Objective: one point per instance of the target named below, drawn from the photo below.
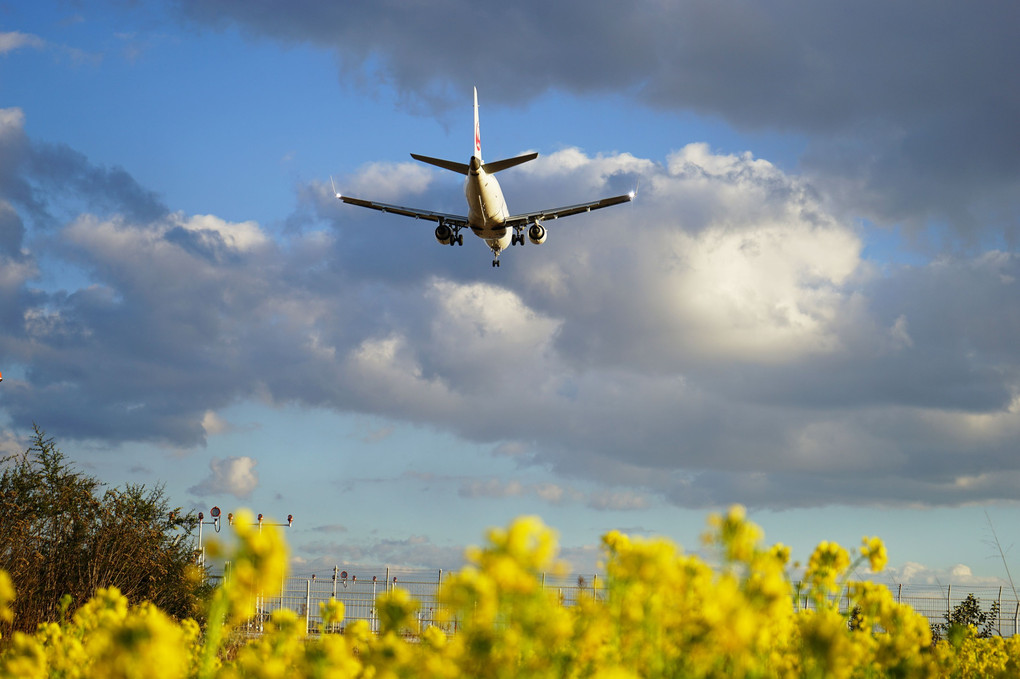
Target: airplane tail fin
(478, 137)
(464, 168)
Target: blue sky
(811, 308)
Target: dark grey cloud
(909, 109)
(37, 177)
(12, 231)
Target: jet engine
(537, 234)
(444, 234)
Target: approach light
(214, 512)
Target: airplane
(488, 216)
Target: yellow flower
(874, 549)
(827, 565)
(6, 597)
(145, 643)
(396, 610)
(257, 566)
(25, 659)
(331, 612)
(738, 537)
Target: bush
(61, 539)
(967, 614)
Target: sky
(812, 307)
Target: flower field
(663, 614)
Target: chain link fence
(358, 588)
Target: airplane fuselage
(487, 210)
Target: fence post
(308, 604)
(899, 593)
(436, 604)
(375, 618)
(1016, 618)
(998, 615)
(595, 587)
(949, 602)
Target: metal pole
(375, 624)
(949, 603)
(998, 616)
(308, 605)
(439, 586)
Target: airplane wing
(451, 220)
(557, 212)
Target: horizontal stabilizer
(453, 166)
(499, 165)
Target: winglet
(478, 137)
(335, 192)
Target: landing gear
(495, 262)
(517, 238)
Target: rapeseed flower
(6, 597)
(662, 613)
(874, 550)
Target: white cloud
(232, 475)
(921, 575)
(9, 443)
(386, 181)
(15, 40)
(720, 338)
(214, 425)
(211, 230)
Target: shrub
(966, 614)
(63, 539)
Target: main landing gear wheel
(495, 262)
